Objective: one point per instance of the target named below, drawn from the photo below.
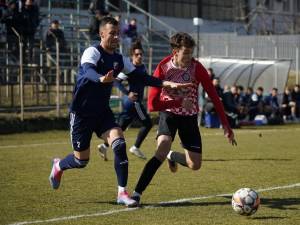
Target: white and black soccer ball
(245, 201)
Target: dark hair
(55, 22)
(136, 45)
(260, 89)
(108, 20)
(240, 87)
(182, 39)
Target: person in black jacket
(53, 33)
(30, 14)
(12, 18)
(230, 106)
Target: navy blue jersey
(91, 97)
(137, 80)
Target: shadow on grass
(268, 217)
(259, 159)
(273, 203)
(279, 203)
(185, 204)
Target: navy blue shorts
(82, 128)
(187, 127)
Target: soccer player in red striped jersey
(178, 111)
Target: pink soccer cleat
(55, 174)
(124, 199)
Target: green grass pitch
(265, 158)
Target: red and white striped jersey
(162, 99)
(178, 75)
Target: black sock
(149, 170)
(179, 158)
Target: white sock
(169, 155)
(121, 189)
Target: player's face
(109, 37)
(137, 57)
(183, 56)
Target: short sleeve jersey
(91, 97)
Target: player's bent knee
(161, 156)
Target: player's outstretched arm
(173, 85)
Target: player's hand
(133, 96)
(230, 136)
(107, 78)
(173, 85)
(187, 104)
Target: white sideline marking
(147, 207)
(220, 133)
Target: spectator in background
(53, 33)
(209, 106)
(240, 100)
(272, 108)
(295, 103)
(97, 5)
(94, 26)
(30, 23)
(12, 19)
(3, 11)
(131, 31)
(256, 105)
(123, 26)
(211, 73)
(286, 104)
(230, 105)
(130, 34)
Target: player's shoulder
(92, 50)
(197, 64)
(165, 60)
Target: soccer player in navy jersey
(133, 107)
(90, 111)
(178, 110)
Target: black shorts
(82, 128)
(187, 127)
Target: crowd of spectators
(22, 17)
(244, 107)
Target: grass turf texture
(265, 157)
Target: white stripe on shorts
(139, 110)
(72, 119)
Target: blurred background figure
(256, 105)
(97, 5)
(94, 26)
(130, 35)
(54, 32)
(286, 104)
(30, 23)
(272, 108)
(295, 103)
(12, 18)
(211, 73)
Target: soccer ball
(245, 201)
